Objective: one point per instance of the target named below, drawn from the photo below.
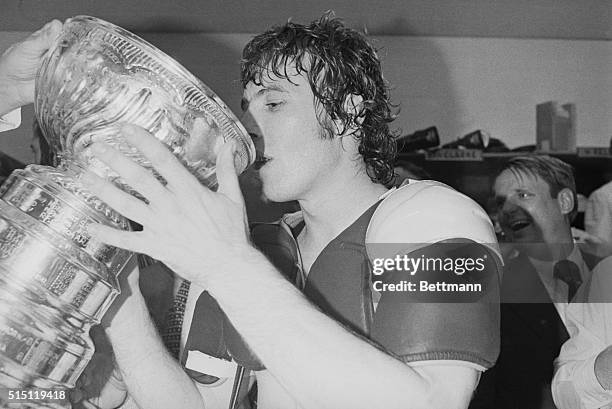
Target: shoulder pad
(424, 212)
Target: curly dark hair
(339, 63)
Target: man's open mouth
(516, 225)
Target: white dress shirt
(589, 325)
(598, 213)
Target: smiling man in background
(536, 198)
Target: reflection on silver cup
(100, 76)
(55, 280)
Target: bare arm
(153, 378)
(306, 351)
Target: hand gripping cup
(94, 79)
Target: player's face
(282, 119)
(526, 210)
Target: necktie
(174, 320)
(568, 272)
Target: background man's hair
(556, 173)
(338, 63)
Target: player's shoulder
(428, 212)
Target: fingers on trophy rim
(139, 178)
(157, 153)
(122, 202)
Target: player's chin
(277, 189)
(276, 193)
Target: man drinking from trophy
(297, 299)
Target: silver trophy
(55, 280)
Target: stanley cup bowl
(59, 280)
(99, 76)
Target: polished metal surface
(55, 280)
(100, 76)
(52, 198)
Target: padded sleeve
(428, 220)
(424, 325)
